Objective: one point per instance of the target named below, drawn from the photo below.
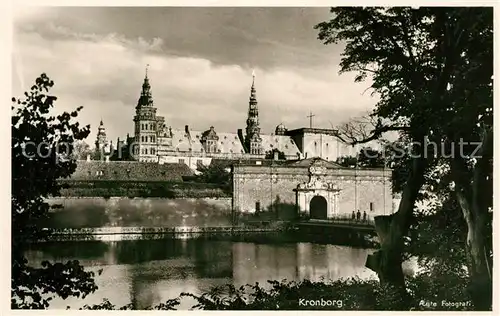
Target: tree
(366, 158)
(217, 173)
(42, 148)
(432, 68)
(82, 150)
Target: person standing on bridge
(353, 215)
(358, 215)
(364, 216)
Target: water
(148, 272)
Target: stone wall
(74, 212)
(267, 185)
(274, 185)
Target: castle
(306, 180)
(155, 141)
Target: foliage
(82, 150)
(432, 70)
(133, 188)
(366, 158)
(42, 148)
(344, 294)
(106, 305)
(216, 172)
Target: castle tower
(102, 146)
(253, 141)
(101, 140)
(145, 125)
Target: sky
(200, 65)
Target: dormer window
(209, 140)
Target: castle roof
(283, 143)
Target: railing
(347, 220)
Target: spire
(253, 96)
(146, 98)
(253, 140)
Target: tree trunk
(473, 199)
(391, 230)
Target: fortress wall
(276, 185)
(74, 212)
(276, 190)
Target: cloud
(104, 73)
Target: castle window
(145, 151)
(222, 143)
(153, 151)
(181, 160)
(146, 127)
(225, 137)
(142, 127)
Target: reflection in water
(148, 272)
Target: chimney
(276, 155)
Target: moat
(148, 272)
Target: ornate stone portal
(312, 195)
